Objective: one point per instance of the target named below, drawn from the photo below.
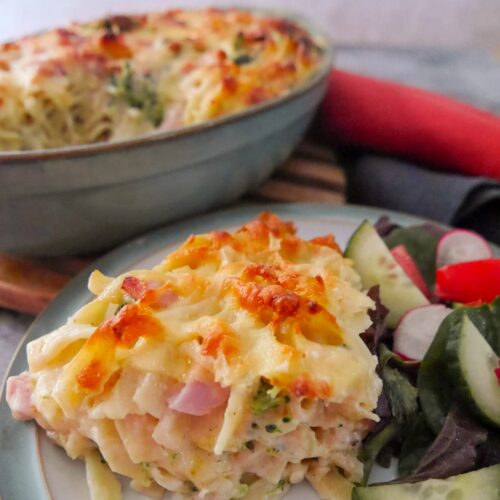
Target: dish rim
(314, 80)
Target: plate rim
(150, 243)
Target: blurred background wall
(442, 23)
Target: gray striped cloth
(315, 174)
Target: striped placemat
(311, 174)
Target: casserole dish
(83, 199)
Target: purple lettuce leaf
(385, 226)
(454, 451)
(377, 330)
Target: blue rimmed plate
(31, 468)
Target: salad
(436, 332)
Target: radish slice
(461, 245)
(403, 357)
(404, 259)
(416, 330)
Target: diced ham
(135, 287)
(199, 398)
(150, 293)
(19, 390)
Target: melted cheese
(125, 76)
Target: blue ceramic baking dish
(85, 199)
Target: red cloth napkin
(406, 122)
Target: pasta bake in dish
(125, 76)
(232, 369)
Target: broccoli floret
(268, 397)
(138, 93)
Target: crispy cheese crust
(124, 76)
(232, 369)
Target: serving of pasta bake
(233, 369)
(126, 76)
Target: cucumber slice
(482, 484)
(376, 266)
(471, 362)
